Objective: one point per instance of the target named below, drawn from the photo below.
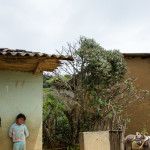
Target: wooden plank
(27, 67)
(28, 63)
(14, 69)
(38, 68)
(17, 65)
(5, 57)
(116, 141)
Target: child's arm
(11, 132)
(26, 132)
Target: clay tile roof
(15, 52)
(22, 60)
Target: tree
(98, 86)
(56, 128)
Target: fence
(116, 139)
(116, 135)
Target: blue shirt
(18, 132)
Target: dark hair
(21, 116)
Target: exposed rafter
(38, 68)
(21, 60)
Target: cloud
(44, 25)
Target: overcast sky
(47, 25)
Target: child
(19, 132)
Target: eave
(133, 55)
(30, 61)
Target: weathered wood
(116, 139)
(17, 57)
(38, 68)
(28, 63)
(25, 60)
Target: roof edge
(144, 55)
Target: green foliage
(102, 67)
(99, 71)
(73, 148)
(45, 78)
(144, 130)
(128, 120)
(93, 92)
(55, 119)
(48, 81)
(92, 75)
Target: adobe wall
(94, 140)
(21, 92)
(139, 112)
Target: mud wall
(139, 112)
(94, 140)
(21, 92)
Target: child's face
(20, 121)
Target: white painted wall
(21, 92)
